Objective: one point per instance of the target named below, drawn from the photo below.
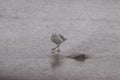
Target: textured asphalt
(92, 27)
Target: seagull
(57, 39)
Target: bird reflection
(55, 60)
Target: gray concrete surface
(91, 26)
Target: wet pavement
(91, 51)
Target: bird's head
(54, 34)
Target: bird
(57, 39)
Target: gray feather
(62, 37)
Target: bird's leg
(55, 47)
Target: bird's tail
(64, 39)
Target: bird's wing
(62, 37)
